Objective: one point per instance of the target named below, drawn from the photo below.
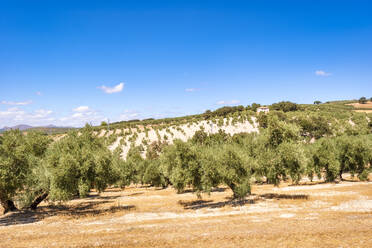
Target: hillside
(230, 120)
(128, 137)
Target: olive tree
(78, 163)
(180, 163)
(292, 159)
(355, 153)
(14, 167)
(234, 169)
(20, 160)
(324, 158)
(280, 131)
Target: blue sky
(171, 58)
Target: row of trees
(277, 153)
(34, 168)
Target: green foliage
(280, 131)
(223, 111)
(277, 163)
(324, 157)
(14, 164)
(362, 100)
(20, 165)
(78, 163)
(284, 106)
(202, 138)
(292, 159)
(254, 107)
(153, 174)
(262, 119)
(124, 171)
(355, 154)
(234, 169)
(181, 165)
(313, 125)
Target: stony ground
(319, 215)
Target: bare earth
(319, 215)
(364, 107)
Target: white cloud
(228, 102)
(11, 113)
(42, 117)
(129, 115)
(80, 116)
(77, 115)
(191, 89)
(16, 103)
(322, 73)
(38, 93)
(81, 109)
(41, 113)
(110, 90)
(13, 116)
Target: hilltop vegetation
(49, 130)
(232, 146)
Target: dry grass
(319, 215)
(363, 111)
(362, 107)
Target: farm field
(188, 124)
(362, 108)
(319, 215)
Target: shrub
(284, 106)
(362, 100)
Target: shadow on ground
(284, 196)
(219, 189)
(93, 207)
(199, 204)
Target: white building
(263, 109)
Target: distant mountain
(49, 129)
(52, 126)
(21, 127)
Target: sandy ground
(365, 107)
(358, 105)
(320, 215)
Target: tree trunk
(8, 206)
(38, 200)
(232, 186)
